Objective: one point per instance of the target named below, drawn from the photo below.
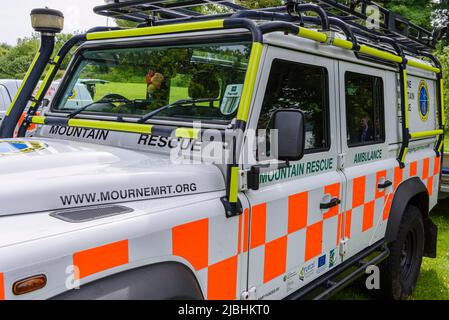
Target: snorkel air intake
(48, 23)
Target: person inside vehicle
(366, 131)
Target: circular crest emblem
(423, 103)
(14, 147)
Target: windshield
(208, 78)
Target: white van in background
(8, 89)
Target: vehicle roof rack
(411, 37)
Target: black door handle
(334, 202)
(385, 185)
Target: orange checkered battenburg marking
(314, 239)
(436, 167)
(275, 259)
(102, 258)
(2, 287)
(297, 212)
(358, 195)
(258, 225)
(191, 241)
(413, 168)
(222, 280)
(397, 177)
(334, 191)
(425, 169)
(379, 176)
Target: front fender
(161, 281)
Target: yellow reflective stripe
(422, 66)
(380, 54)
(312, 35)
(426, 134)
(38, 120)
(345, 44)
(23, 83)
(406, 98)
(46, 79)
(443, 117)
(138, 32)
(404, 155)
(188, 133)
(440, 147)
(233, 192)
(250, 81)
(111, 125)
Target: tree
(255, 4)
(15, 61)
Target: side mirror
(290, 126)
(290, 144)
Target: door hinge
(251, 294)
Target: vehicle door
(369, 165)
(295, 215)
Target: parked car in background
(79, 96)
(8, 88)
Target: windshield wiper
(153, 113)
(78, 111)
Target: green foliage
(255, 4)
(125, 23)
(15, 61)
(418, 11)
(443, 55)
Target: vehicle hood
(47, 174)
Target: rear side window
(303, 87)
(364, 109)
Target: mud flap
(431, 233)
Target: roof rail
(359, 16)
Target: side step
(342, 275)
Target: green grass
(433, 281)
(134, 91)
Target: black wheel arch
(412, 192)
(160, 281)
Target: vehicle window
(364, 109)
(136, 81)
(299, 86)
